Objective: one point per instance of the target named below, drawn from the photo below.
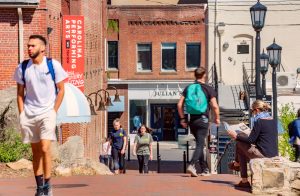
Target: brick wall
(155, 25)
(143, 25)
(92, 133)
(35, 21)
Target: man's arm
(181, 112)
(215, 108)
(60, 95)
(124, 145)
(20, 97)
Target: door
(164, 121)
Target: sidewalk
(131, 183)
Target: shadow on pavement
(63, 186)
(219, 182)
(165, 166)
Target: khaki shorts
(37, 128)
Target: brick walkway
(131, 183)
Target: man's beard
(34, 55)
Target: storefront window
(138, 111)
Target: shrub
(12, 148)
(286, 115)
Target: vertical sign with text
(73, 49)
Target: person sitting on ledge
(262, 141)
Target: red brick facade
(155, 25)
(46, 20)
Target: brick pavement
(131, 183)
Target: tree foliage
(286, 115)
(12, 148)
(112, 26)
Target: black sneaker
(205, 172)
(47, 190)
(39, 191)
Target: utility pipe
(21, 33)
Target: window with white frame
(168, 56)
(193, 55)
(144, 60)
(112, 55)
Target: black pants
(199, 128)
(118, 158)
(143, 163)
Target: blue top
(117, 138)
(294, 130)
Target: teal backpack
(195, 100)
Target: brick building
(21, 18)
(152, 51)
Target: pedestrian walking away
(294, 133)
(262, 141)
(198, 98)
(40, 91)
(143, 148)
(118, 137)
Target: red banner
(73, 49)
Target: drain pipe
(21, 33)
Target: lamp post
(274, 52)
(264, 65)
(258, 14)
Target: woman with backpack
(143, 148)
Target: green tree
(286, 115)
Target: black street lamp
(264, 66)
(258, 15)
(274, 52)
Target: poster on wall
(73, 49)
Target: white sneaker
(192, 170)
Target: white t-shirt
(40, 89)
(106, 148)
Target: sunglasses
(252, 110)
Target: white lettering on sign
(164, 93)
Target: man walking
(40, 91)
(198, 99)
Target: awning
(117, 106)
(74, 107)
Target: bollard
(158, 163)
(157, 154)
(184, 162)
(128, 158)
(187, 152)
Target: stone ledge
(275, 175)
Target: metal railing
(213, 77)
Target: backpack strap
(51, 70)
(24, 66)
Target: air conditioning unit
(286, 79)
